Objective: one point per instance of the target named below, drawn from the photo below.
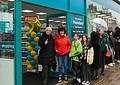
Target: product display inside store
(6, 43)
(34, 21)
(6, 30)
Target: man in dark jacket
(46, 54)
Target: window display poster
(29, 18)
(78, 25)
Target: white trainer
(83, 83)
(87, 83)
(118, 61)
(111, 64)
(106, 66)
(79, 80)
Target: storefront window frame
(17, 29)
(17, 33)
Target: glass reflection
(6, 29)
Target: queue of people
(87, 64)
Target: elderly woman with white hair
(99, 41)
(46, 54)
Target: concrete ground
(111, 77)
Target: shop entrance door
(34, 21)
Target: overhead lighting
(62, 17)
(102, 15)
(50, 20)
(63, 22)
(27, 11)
(41, 13)
(11, 0)
(41, 19)
(12, 9)
(57, 21)
(97, 13)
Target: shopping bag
(107, 52)
(90, 56)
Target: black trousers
(94, 70)
(45, 74)
(77, 71)
(117, 51)
(86, 71)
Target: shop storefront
(14, 32)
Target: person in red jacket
(62, 49)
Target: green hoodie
(76, 49)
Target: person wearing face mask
(62, 49)
(47, 53)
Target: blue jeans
(63, 65)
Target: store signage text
(78, 24)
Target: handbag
(107, 51)
(90, 56)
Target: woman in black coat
(99, 40)
(95, 66)
(47, 53)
